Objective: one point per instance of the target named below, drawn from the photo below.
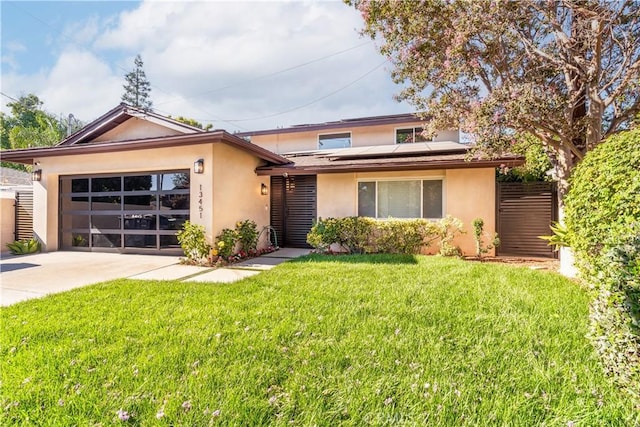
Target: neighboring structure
(16, 206)
(130, 179)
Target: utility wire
(310, 102)
(275, 73)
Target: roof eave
(28, 155)
(389, 166)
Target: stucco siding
(468, 194)
(236, 189)
(135, 129)
(360, 137)
(471, 195)
(7, 219)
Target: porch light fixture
(198, 166)
(36, 175)
(264, 190)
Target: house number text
(200, 207)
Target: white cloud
(216, 60)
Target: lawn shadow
(358, 259)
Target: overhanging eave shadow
(16, 266)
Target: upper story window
(410, 135)
(334, 140)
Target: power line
(275, 73)
(311, 102)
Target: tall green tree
(137, 88)
(29, 125)
(566, 71)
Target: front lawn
(348, 340)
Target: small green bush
(247, 232)
(367, 235)
(226, 242)
(23, 247)
(193, 241)
(479, 236)
(448, 228)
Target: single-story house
(131, 178)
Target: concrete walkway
(33, 276)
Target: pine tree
(138, 87)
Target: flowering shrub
(448, 228)
(367, 235)
(226, 242)
(193, 242)
(247, 233)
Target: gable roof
(28, 155)
(117, 116)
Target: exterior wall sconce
(36, 175)
(264, 190)
(198, 166)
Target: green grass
(350, 340)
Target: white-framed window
(401, 198)
(410, 135)
(330, 141)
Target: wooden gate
(24, 215)
(524, 212)
(293, 208)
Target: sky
(238, 65)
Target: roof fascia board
(27, 155)
(344, 124)
(388, 167)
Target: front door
(293, 209)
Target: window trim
(335, 133)
(440, 178)
(413, 128)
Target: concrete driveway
(32, 276)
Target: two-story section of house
(381, 167)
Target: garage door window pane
(141, 183)
(172, 222)
(105, 203)
(136, 203)
(106, 222)
(140, 240)
(174, 181)
(106, 240)
(174, 202)
(169, 242)
(139, 222)
(100, 185)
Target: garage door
(133, 212)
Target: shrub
(604, 197)
(602, 217)
(247, 232)
(479, 236)
(367, 235)
(448, 228)
(226, 242)
(23, 247)
(193, 242)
